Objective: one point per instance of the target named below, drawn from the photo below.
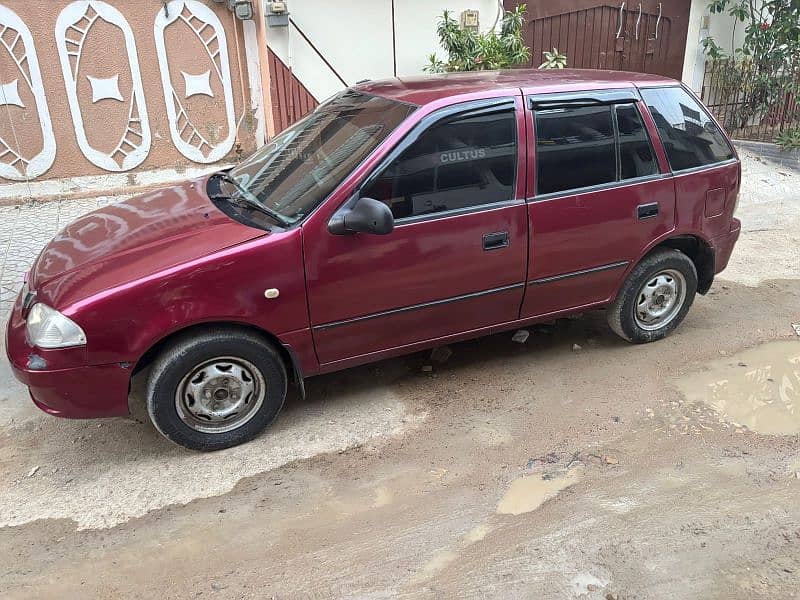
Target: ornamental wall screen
(29, 152)
(98, 79)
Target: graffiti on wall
(30, 152)
(100, 68)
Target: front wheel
(215, 389)
(655, 297)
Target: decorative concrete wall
(93, 87)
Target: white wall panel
(720, 27)
(306, 65)
(355, 36)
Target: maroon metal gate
(290, 99)
(646, 36)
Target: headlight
(48, 328)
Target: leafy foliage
(789, 139)
(468, 50)
(772, 31)
(765, 68)
(553, 60)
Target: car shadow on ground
(562, 336)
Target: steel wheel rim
(660, 299)
(220, 394)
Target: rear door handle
(647, 211)
(495, 241)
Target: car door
(601, 197)
(456, 259)
(703, 162)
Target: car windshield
(296, 170)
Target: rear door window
(636, 156)
(574, 148)
(691, 138)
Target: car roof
(429, 88)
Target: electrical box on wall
(470, 19)
(243, 9)
(277, 13)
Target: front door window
(455, 164)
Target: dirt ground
(571, 466)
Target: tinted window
(690, 137)
(636, 156)
(457, 163)
(574, 148)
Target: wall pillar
(263, 61)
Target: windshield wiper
(245, 198)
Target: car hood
(136, 237)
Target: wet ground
(535, 470)
(758, 389)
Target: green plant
(553, 60)
(789, 139)
(468, 50)
(772, 30)
(765, 67)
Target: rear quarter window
(691, 138)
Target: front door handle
(647, 211)
(495, 241)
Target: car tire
(216, 389)
(655, 297)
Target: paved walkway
(24, 230)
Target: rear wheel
(216, 389)
(655, 297)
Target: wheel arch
(699, 251)
(286, 353)
(696, 248)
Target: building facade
(97, 92)
(112, 94)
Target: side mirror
(367, 216)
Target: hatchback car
(399, 215)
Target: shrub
(468, 50)
(789, 139)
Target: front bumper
(60, 382)
(723, 246)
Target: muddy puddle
(443, 558)
(525, 494)
(531, 491)
(757, 388)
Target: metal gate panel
(646, 36)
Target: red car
(399, 215)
